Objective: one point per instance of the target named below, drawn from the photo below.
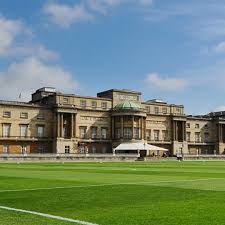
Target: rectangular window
(156, 135)
(40, 131)
(93, 149)
(206, 137)
(164, 110)
(165, 135)
(188, 125)
(67, 149)
(23, 130)
(40, 148)
(40, 116)
(147, 108)
(7, 114)
(188, 136)
(148, 134)
(83, 132)
(23, 149)
(94, 104)
(156, 110)
(6, 130)
(94, 132)
(197, 126)
(118, 134)
(65, 100)
(24, 115)
(104, 133)
(197, 137)
(6, 149)
(83, 103)
(104, 105)
(127, 133)
(136, 133)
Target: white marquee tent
(138, 146)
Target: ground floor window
(40, 149)
(6, 149)
(67, 149)
(127, 133)
(23, 149)
(93, 149)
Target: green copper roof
(128, 106)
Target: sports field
(138, 193)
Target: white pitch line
(47, 216)
(103, 185)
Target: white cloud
(220, 48)
(11, 34)
(65, 15)
(166, 84)
(220, 108)
(30, 74)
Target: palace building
(54, 122)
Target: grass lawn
(138, 193)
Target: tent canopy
(139, 146)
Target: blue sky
(173, 50)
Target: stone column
(113, 127)
(58, 124)
(72, 126)
(75, 125)
(61, 125)
(132, 127)
(142, 128)
(121, 127)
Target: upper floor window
(197, 126)
(83, 103)
(148, 134)
(41, 116)
(127, 133)
(23, 130)
(156, 135)
(83, 132)
(104, 105)
(24, 115)
(94, 104)
(94, 132)
(206, 137)
(6, 130)
(164, 110)
(188, 125)
(65, 100)
(156, 110)
(197, 137)
(104, 133)
(40, 130)
(147, 108)
(136, 133)
(7, 114)
(118, 133)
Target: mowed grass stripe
(112, 184)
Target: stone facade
(54, 122)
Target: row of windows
(6, 130)
(23, 115)
(94, 132)
(23, 149)
(157, 110)
(197, 125)
(83, 103)
(156, 133)
(198, 137)
(84, 149)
